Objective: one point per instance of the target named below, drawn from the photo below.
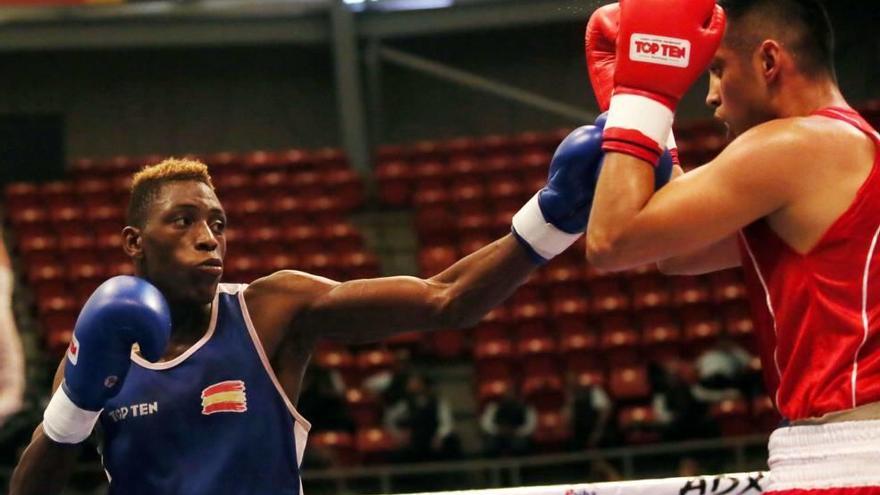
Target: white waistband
(835, 455)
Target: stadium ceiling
(250, 22)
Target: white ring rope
(722, 484)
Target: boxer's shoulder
(287, 290)
(797, 142)
(276, 300)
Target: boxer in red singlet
(794, 199)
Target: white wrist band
(65, 422)
(542, 236)
(640, 113)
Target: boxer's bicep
(369, 310)
(755, 176)
(373, 309)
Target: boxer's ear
(132, 242)
(770, 57)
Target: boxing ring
(722, 484)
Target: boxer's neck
(189, 322)
(802, 96)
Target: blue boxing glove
(121, 312)
(557, 215)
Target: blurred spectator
(587, 410)
(391, 384)
(422, 423)
(11, 352)
(322, 403)
(722, 371)
(508, 424)
(679, 415)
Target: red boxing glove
(600, 46)
(664, 46)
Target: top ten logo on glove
(661, 50)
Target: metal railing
(494, 473)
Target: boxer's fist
(557, 215)
(600, 46)
(121, 312)
(662, 48)
(665, 45)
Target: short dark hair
(806, 22)
(145, 185)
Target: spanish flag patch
(225, 396)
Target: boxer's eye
(182, 222)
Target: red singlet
(817, 314)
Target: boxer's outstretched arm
(370, 310)
(45, 466)
(754, 176)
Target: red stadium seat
(535, 339)
(462, 166)
(37, 241)
(448, 344)
(629, 383)
(575, 337)
(261, 160)
(661, 335)
(339, 444)
(733, 417)
(690, 290)
(46, 273)
(649, 291)
(433, 224)
(365, 409)
(302, 237)
(358, 265)
(388, 152)
(347, 185)
(494, 143)
(433, 260)
(607, 296)
(500, 164)
(473, 242)
(271, 184)
(21, 195)
(228, 182)
(565, 271)
(737, 317)
(395, 180)
(106, 212)
(701, 328)
(375, 361)
(58, 194)
(27, 215)
(493, 389)
(459, 146)
(620, 340)
(638, 425)
(551, 433)
(375, 445)
(543, 390)
(58, 327)
(728, 285)
(472, 223)
(337, 358)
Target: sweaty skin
(290, 310)
(798, 172)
